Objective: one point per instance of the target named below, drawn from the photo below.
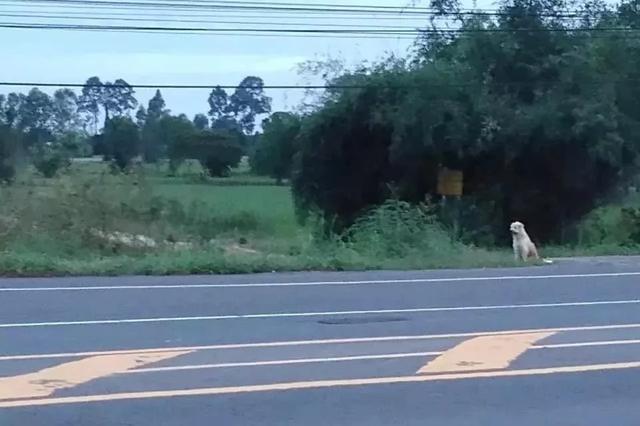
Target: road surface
(557, 345)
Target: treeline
(540, 111)
(47, 130)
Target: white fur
(523, 247)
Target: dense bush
(121, 140)
(273, 155)
(49, 159)
(541, 122)
(217, 152)
(8, 147)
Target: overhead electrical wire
(271, 7)
(396, 31)
(299, 87)
(140, 21)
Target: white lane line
(322, 314)
(283, 362)
(587, 344)
(314, 385)
(355, 340)
(321, 283)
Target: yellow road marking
(483, 353)
(44, 382)
(315, 385)
(315, 342)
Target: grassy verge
(68, 226)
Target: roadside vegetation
(539, 112)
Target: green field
(242, 223)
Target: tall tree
(249, 101)
(157, 107)
(12, 108)
(277, 145)
(36, 114)
(118, 99)
(115, 99)
(91, 100)
(141, 116)
(201, 122)
(65, 111)
(218, 103)
(122, 141)
(153, 142)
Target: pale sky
(154, 58)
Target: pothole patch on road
(361, 320)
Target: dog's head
(516, 228)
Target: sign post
(450, 184)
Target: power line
(396, 31)
(306, 87)
(200, 21)
(277, 7)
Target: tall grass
(50, 228)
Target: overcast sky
(156, 58)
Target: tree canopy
(539, 113)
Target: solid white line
(282, 362)
(587, 344)
(315, 385)
(321, 314)
(320, 283)
(259, 345)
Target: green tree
(121, 140)
(277, 146)
(201, 122)
(8, 150)
(218, 103)
(91, 100)
(50, 158)
(248, 102)
(35, 117)
(65, 112)
(153, 142)
(113, 99)
(118, 99)
(217, 152)
(541, 118)
(176, 133)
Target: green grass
(271, 206)
(46, 228)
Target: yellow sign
(450, 182)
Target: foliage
(201, 122)
(397, 229)
(218, 152)
(114, 99)
(537, 115)
(239, 110)
(277, 145)
(154, 141)
(8, 148)
(176, 134)
(121, 140)
(48, 159)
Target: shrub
(121, 140)
(48, 159)
(217, 152)
(397, 229)
(8, 148)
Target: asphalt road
(556, 345)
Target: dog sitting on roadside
(523, 247)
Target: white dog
(523, 247)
